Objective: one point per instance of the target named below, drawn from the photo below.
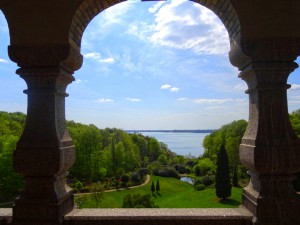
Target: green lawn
(173, 194)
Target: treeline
(113, 154)
(11, 127)
(102, 153)
(230, 136)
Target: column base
(269, 211)
(35, 213)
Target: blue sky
(149, 65)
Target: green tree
(97, 192)
(80, 201)
(154, 149)
(206, 165)
(235, 180)
(157, 186)
(197, 170)
(138, 201)
(152, 188)
(125, 178)
(295, 121)
(223, 185)
(163, 159)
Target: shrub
(180, 168)
(143, 172)
(200, 187)
(207, 181)
(197, 170)
(125, 179)
(196, 182)
(77, 184)
(206, 166)
(138, 201)
(84, 190)
(136, 178)
(166, 172)
(80, 201)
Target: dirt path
(120, 189)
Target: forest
(116, 158)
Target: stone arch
(91, 8)
(227, 14)
(84, 15)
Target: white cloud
(107, 60)
(217, 101)
(92, 55)
(115, 14)
(3, 61)
(174, 89)
(295, 87)
(184, 25)
(182, 99)
(133, 99)
(97, 56)
(169, 87)
(78, 81)
(105, 100)
(141, 30)
(166, 86)
(156, 7)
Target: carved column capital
(64, 56)
(246, 51)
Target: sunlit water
(187, 180)
(181, 143)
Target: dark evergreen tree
(157, 186)
(223, 185)
(235, 180)
(152, 188)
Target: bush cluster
(166, 172)
(200, 187)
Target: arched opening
(152, 72)
(294, 106)
(12, 100)
(293, 92)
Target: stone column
(269, 149)
(45, 150)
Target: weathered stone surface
(191, 216)
(45, 151)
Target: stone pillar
(45, 150)
(269, 148)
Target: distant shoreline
(171, 131)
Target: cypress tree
(157, 186)
(223, 185)
(235, 180)
(152, 188)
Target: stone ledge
(5, 215)
(237, 216)
(193, 216)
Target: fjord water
(181, 143)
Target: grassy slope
(173, 194)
